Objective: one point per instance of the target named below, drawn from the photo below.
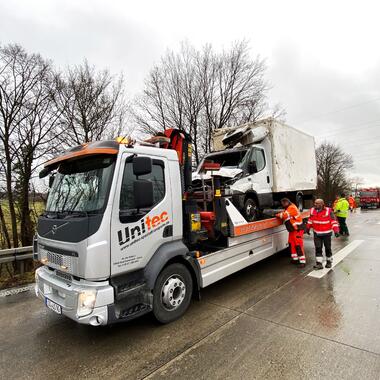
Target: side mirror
(252, 167)
(51, 180)
(143, 193)
(142, 165)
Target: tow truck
(125, 233)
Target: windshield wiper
(76, 214)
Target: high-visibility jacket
(341, 208)
(291, 217)
(351, 202)
(322, 222)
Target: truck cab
(110, 209)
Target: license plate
(53, 306)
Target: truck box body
(292, 154)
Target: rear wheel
(172, 293)
(251, 211)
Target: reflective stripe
(322, 232)
(297, 223)
(321, 221)
(302, 260)
(309, 222)
(319, 259)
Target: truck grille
(56, 260)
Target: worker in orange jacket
(352, 203)
(293, 221)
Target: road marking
(338, 257)
(13, 291)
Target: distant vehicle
(370, 198)
(263, 162)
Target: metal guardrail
(16, 254)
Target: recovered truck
(125, 232)
(261, 163)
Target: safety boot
(301, 265)
(318, 266)
(328, 264)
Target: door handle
(268, 179)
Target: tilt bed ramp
(250, 242)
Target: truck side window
(157, 176)
(260, 159)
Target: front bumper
(66, 294)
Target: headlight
(86, 302)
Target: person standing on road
(352, 203)
(341, 211)
(293, 221)
(323, 223)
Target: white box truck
(263, 162)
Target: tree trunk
(4, 229)
(26, 221)
(10, 197)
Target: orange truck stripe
(260, 225)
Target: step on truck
(125, 233)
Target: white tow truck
(125, 233)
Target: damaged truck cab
(263, 162)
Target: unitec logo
(146, 225)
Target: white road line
(338, 257)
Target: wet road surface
(268, 321)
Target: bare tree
(20, 74)
(37, 140)
(92, 104)
(332, 166)
(200, 90)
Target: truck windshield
(230, 160)
(81, 185)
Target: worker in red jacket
(294, 224)
(322, 221)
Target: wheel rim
(250, 210)
(173, 292)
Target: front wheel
(172, 293)
(251, 211)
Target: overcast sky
(323, 58)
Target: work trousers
(343, 229)
(319, 242)
(296, 246)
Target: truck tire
(251, 211)
(172, 293)
(299, 202)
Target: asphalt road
(269, 321)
